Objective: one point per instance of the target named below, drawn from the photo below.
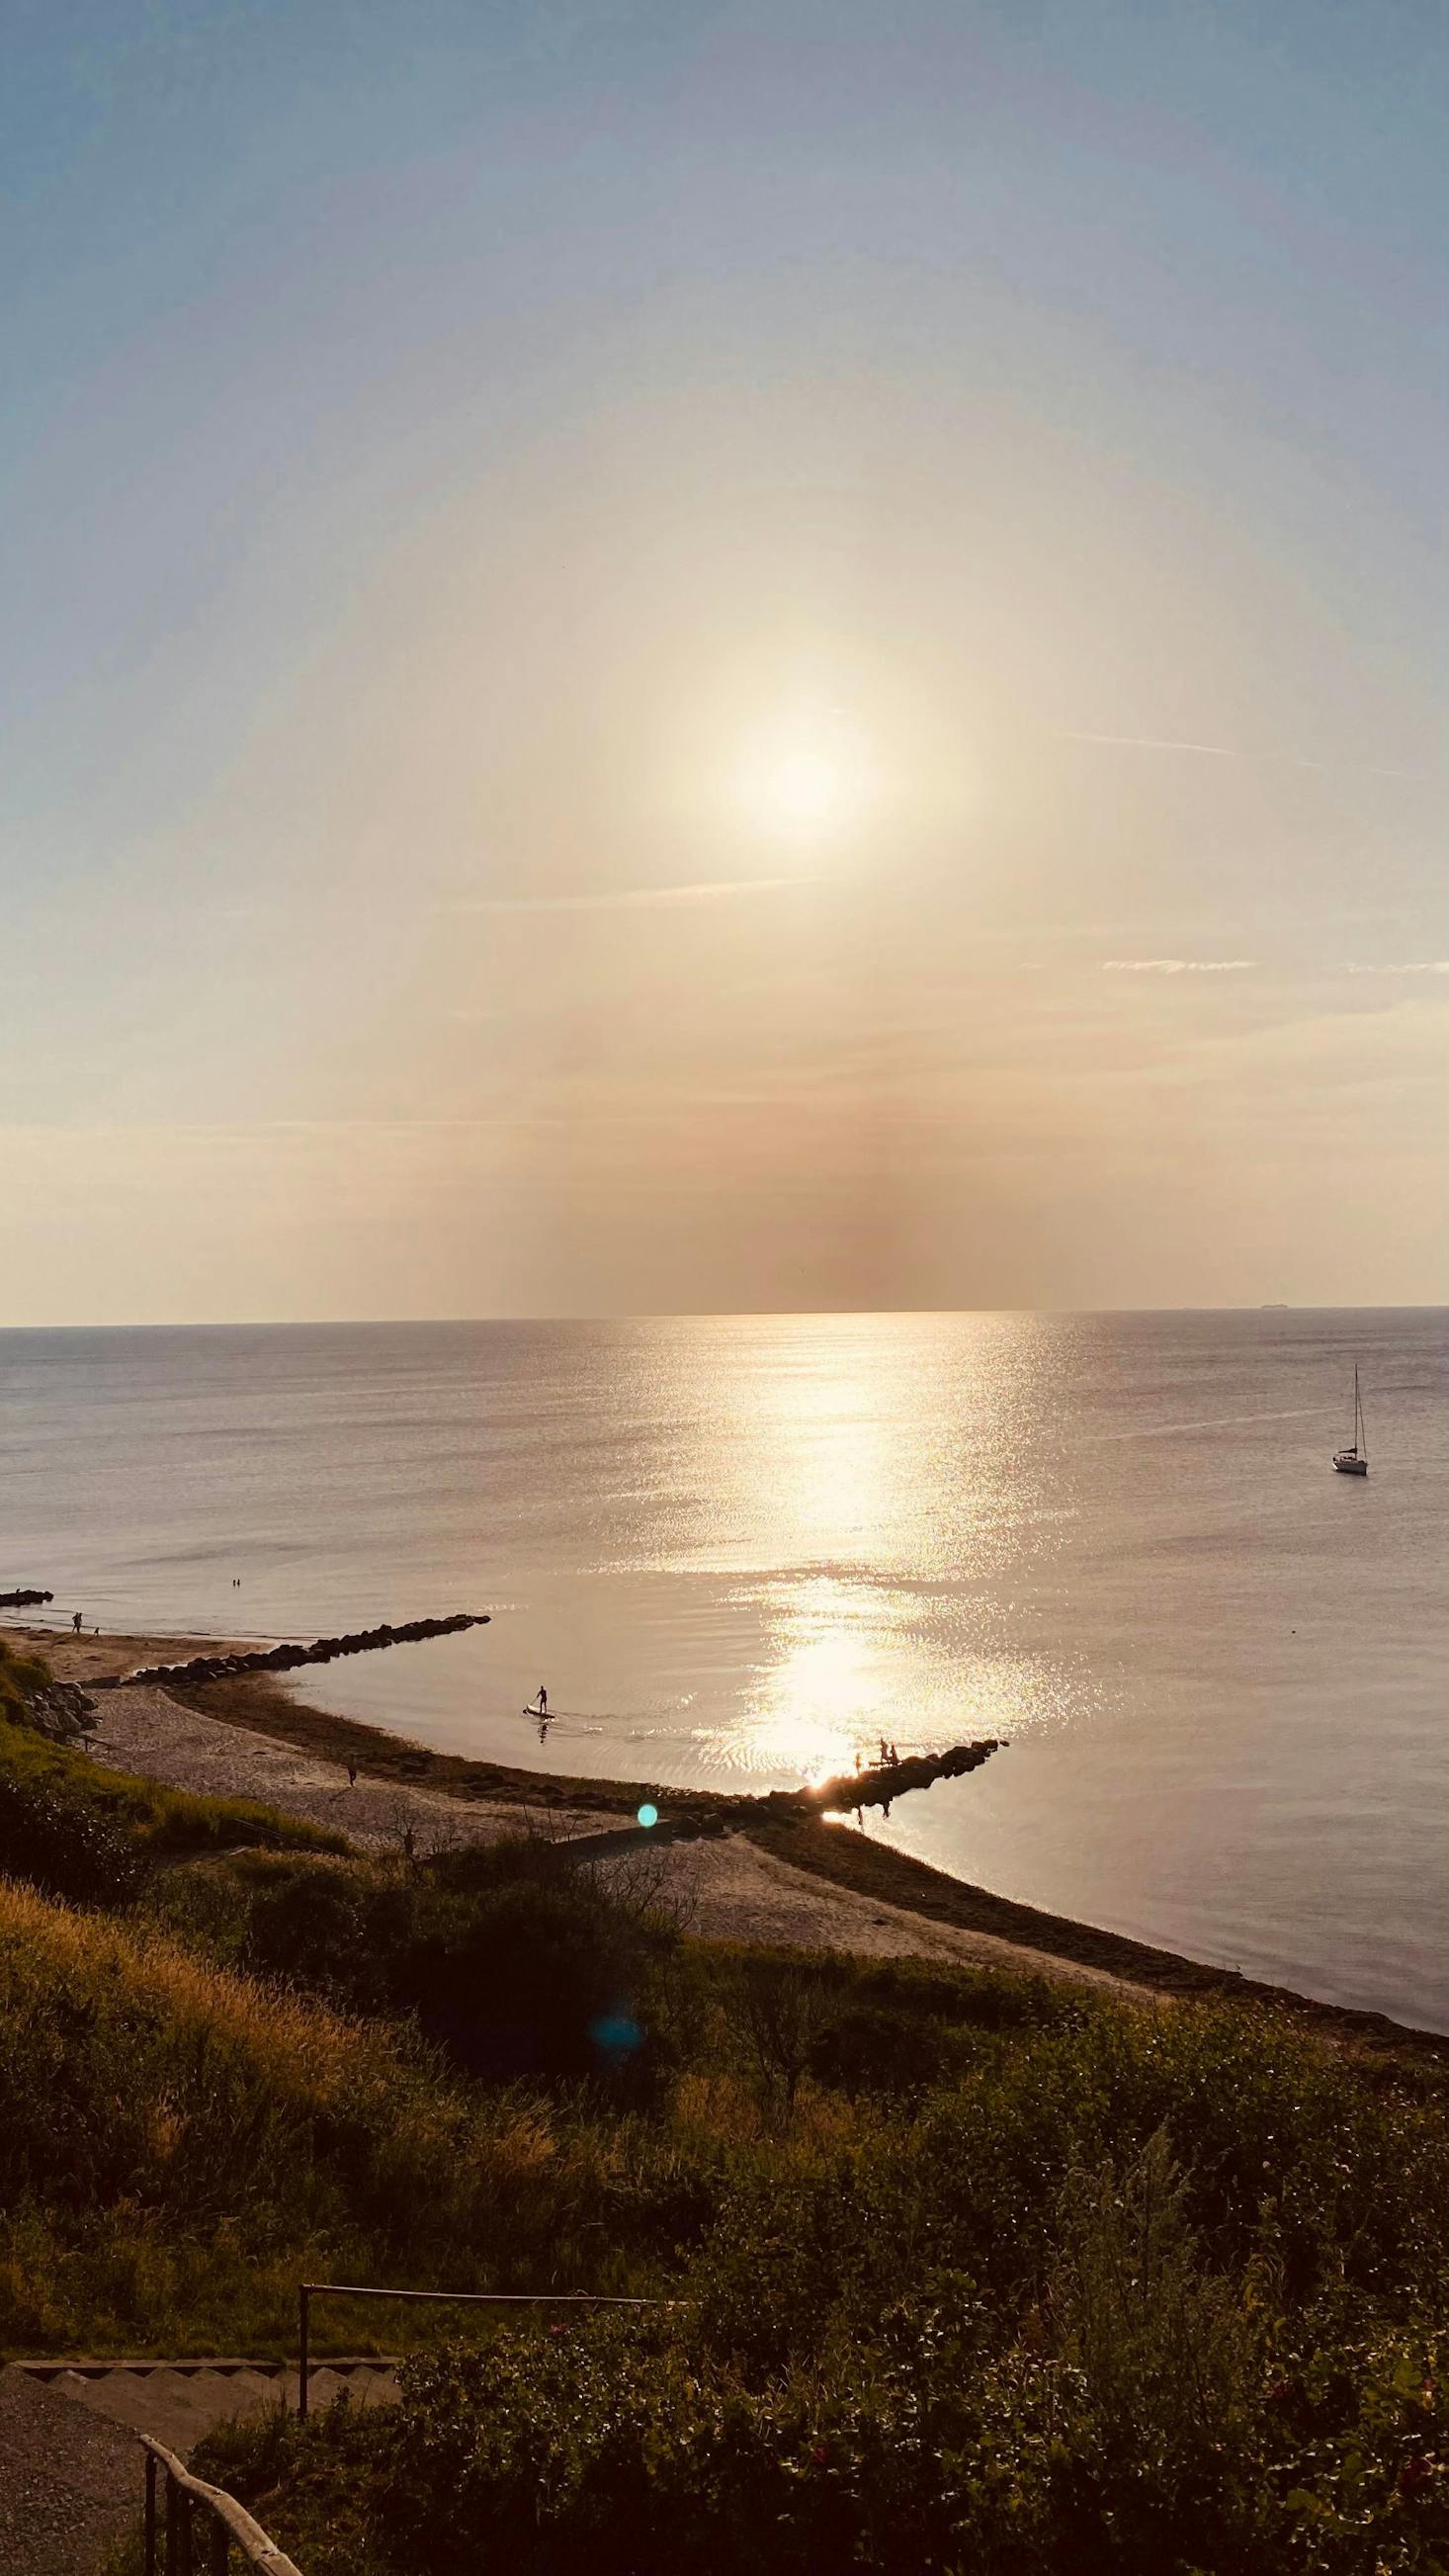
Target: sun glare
(803, 783)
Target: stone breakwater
(887, 1780)
(24, 1600)
(288, 1658)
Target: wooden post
(150, 2513)
(173, 2526)
(219, 2553)
(303, 2297)
(186, 2534)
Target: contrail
(1224, 751)
(1153, 742)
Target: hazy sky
(686, 656)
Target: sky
(679, 655)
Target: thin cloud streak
(1152, 742)
(1178, 965)
(631, 898)
(1414, 966)
(1225, 751)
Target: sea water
(737, 1550)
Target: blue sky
(463, 464)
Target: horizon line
(696, 1315)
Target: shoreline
(799, 1853)
(264, 1705)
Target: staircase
(178, 2401)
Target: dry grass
(179, 2143)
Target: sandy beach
(787, 1882)
(726, 1888)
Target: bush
(64, 1848)
(20, 1677)
(1138, 2294)
(513, 1960)
(868, 2049)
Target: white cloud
(1414, 966)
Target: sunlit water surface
(738, 1549)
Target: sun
(804, 789)
(802, 781)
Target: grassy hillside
(76, 1828)
(179, 2144)
(957, 2271)
(1106, 2291)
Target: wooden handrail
(256, 2547)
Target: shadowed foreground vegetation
(1079, 2288)
(959, 2272)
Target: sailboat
(1354, 1460)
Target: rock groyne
(25, 1600)
(886, 1780)
(289, 1658)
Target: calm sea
(736, 1549)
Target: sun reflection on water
(855, 1664)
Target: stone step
(176, 2409)
(179, 2402)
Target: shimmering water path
(736, 1549)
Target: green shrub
(866, 2048)
(20, 1676)
(63, 1847)
(510, 1958)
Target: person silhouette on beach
(76, 1622)
(352, 1775)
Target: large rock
(62, 1710)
